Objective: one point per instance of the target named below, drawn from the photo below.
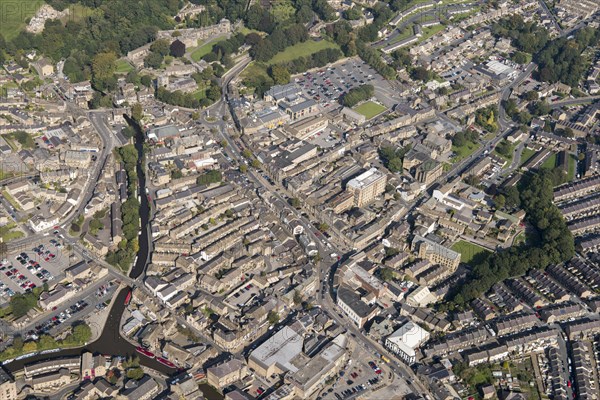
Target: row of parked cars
(16, 276)
(56, 320)
(374, 367)
(349, 392)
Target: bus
(385, 359)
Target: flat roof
(280, 349)
(409, 337)
(352, 300)
(365, 179)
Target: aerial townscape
(300, 199)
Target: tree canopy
(358, 94)
(555, 243)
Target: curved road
(110, 341)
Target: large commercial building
(436, 253)
(367, 186)
(356, 309)
(406, 340)
(274, 356)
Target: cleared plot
(470, 253)
(369, 109)
(301, 50)
(14, 15)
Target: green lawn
(369, 109)
(255, 69)
(527, 154)
(14, 15)
(520, 238)
(549, 162)
(246, 31)
(123, 66)
(199, 94)
(25, 139)
(8, 233)
(404, 34)
(431, 31)
(456, 18)
(463, 152)
(469, 252)
(204, 49)
(78, 13)
(301, 50)
(511, 147)
(572, 166)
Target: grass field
(25, 139)
(255, 69)
(404, 34)
(246, 31)
(301, 50)
(572, 166)
(469, 253)
(431, 31)
(510, 153)
(199, 94)
(526, 155)
(78, 13)
(369, 109)
(8, 233)
(520, 238)
(14, 15)
(204, 49)
(123, 67)
(463, 152)
(549, 162)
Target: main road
(108, 143)
(324, 269)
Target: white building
(39, 224)
(406, 340)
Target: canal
(143, 239)
(110, 341)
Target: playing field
(469, 252)
(301, 50)
(14, 14)
(369, 109)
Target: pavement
(574, 101)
